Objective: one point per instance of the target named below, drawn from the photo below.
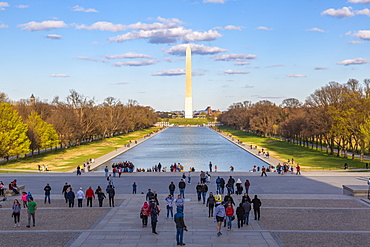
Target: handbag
(232, 218)
(141, 215)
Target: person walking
(89, 196)
(180, 226)
(211, 201)
(16, 212)
(231, 183)
(239, 187)
(169, 199)
(218, 183)
(256, 207)
(100, 195)
(247, 184)
(106, 171)
(47, 190)
(240, 215)
(80, 197)
(219, 216)
(229, 216)
(154, 212)
(182, 186)
(189, 177)
(298, 169)
(31, 210)
(263, 171)
(218, 197)
(71, 197)
(198, 188)
(149, 195)
(247, 208)
(222, 185)
(204, 190)
(179, 202)
(65, 191)
(172, 188)
(111, 193)
(144, 214)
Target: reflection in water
(190, 146)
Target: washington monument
(188, 85)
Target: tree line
(29, 125)
(336, 117)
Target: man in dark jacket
(211, 201)
(247, 208)
(172, 188)
(111, 193)
(149, 195)
(47, 193)
(182, 186)
(204, 190)
(231, 182)
(256, 207)
(71, 198)
(180, 226)
(199, 191)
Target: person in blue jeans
(180, 226)
(169, 199)
(182, 186)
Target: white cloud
(356, 61)
(264, 28)
(270, 97)
(296, 75)
(195, 49)
(340, 13)
(230, 27)
(103, 26)
(355, 42)
(170, 35)
(320, 68)
(45, 25)
(87, 58)
(59, 75)
(54, 36)
(362, 34)
(2, 25)
(248, 86)
(234, 57)
(233, 72)
(315, 29)
(241, 63)
(22, 6)
(122, 83)
(135, 63)
(3, 5)
(82, 9)
(214, 1)
(275, 65)
(170, 72)
(363, 12)
(359, 1)
(127, 55)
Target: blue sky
(242, 49)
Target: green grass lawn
(189, 121)
(309, 159)
(69, 158)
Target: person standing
(218, 182)
(47, 190)
(189, 177)
(134, 187)
(80, 197)
(180, 226)
(219, 216)
(247, 184)
(101, 196)
(263, 171)
(222, 185)
(90, 195)
(154, 212)
(240, 215)
(172, 188)
(202, 177)
(169, 199)
(256, 207)
(111, 193)
(106, 171)
(210, 166)
(229, 215)
(211, 201)
(231, 183)
(71, 197)
(298, 169)
(16, 212)
(31, 210)
(78, 170)
(218, 196)
(239, 187)
(179, 202)
(145, 212)
(149, 195)
(182, 186)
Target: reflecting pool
(191, 147)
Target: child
(24, 199)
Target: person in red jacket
(229, 215)
(89, 195)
